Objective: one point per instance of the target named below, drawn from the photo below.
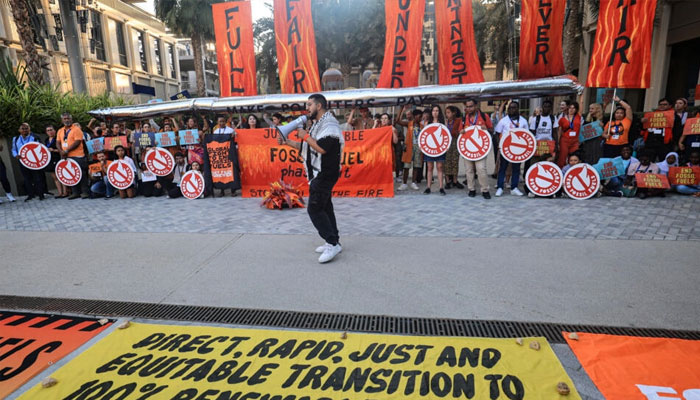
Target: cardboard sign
(659, 119)
(34, 155)
(31, 342)
(652, 181)
(120, 175)
(144, 139)
(192, 185)
(692, 126)
(159, 161)
(196, 362)
(95, 145)
(68, 172)
(189, 136)
(110, 142)
(581, 182)
(639, 368)
(474, 144)
(366, 163)
(434, 140)
(518, 145)
(544, 178)
(610, 167)
(590, 131)
(166, 139)
(689, 176)
(545, 147)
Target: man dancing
(321, 148)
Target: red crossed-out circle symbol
(518, 145)
(192, 185)
(34, 155)
(544, 178)
(474, 144)
(120, 174)
(68, 172)
(160, 161)
(434, 140)
(581, 182)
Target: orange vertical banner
(235, 54)
(541, 31)
(622, 50)
(296, 47)
(404, 28)
(458, 60)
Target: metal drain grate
(324, 321)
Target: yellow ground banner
(209, 363)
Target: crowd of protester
(641, 151)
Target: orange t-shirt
(65, 139)
(619, 132)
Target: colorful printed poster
(166, 139)
(590, 131)
(188, 137)
(110, 142)
(95, 145)
(610, 167)
(221, 162)
(144, 139)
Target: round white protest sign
(518, 145)
(159, 161)
(474, 144)
(34, 155)
(544, 178)
(68, 172)
(192, 185)
(434, 140)
(581, 182)
(120, 174)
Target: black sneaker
(472, 193)
(466, 182)
(486, 195)
(74, 196)
(41, 197)
(449, 185)
(458, 185)
(426, 191)
(442, 191)
(28, 198)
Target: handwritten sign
(545, 147)
(652, 181)
(689, 176)
(610, 167)
(166, 139)
(591, 131)
(692, 126)
(190, 136)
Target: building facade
(188, 78)
(120, 44)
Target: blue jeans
(514, 178)
(615, 184)
(103, 187)
(687, 189)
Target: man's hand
(64, 154)
(281, 140)
(301, 133)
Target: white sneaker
(516, 192)
(531, 195)
(10, 197)
(403, 186)
(330, 253)
(414, 186)
(320, 249)
(499, 192)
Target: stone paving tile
(407, 214)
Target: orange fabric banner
(541, 32)
(235, 54)
(404, 31)
(458, 60)
(622, 50)
(636, 368)
(296, 47)
(31, 342)
(367, 163)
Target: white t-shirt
(506, 124)
(227, 130)
(545, 129)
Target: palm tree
(266, 53)
(21, 17)
(192, 19)
(491, 29)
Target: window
(158, 60)
(141, 48)
(97, 42)
(121, 44)
(171, 61)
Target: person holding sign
(593, 148)
(644, 166)
(657, 139)
(55, 157)
(321, 147)
(121, 155)
(33, 179)
(98, 175)
(436, 117)
(70, 144)
(671, 160)
(511, 121)
(616, 132)
(454, 125)
(693, 190)
(690, 138)
(474, 117)
(569, 129)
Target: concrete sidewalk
(580, 281)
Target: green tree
(266, 53)
(491, 29)
(20, 16)
(191, 19)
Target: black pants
(3, 178)
(34, 181)
(320, 210)
(84, 185)
(657, 151)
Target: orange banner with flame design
(622, 51)
(541, 39)
(458, 60)
(366, 163)
(404, 28)
(235, 54)
(296, 47)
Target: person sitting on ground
(644, 166)
(574, 158)
(613, 187)
(100, 185)
(693, 190)
(671, 160)
(616, 134)
(179, 170)
(121, 156)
